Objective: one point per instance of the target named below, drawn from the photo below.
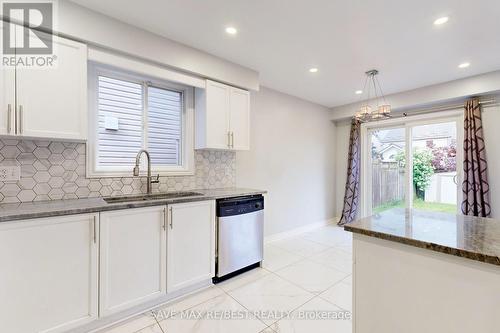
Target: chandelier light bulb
(384, 109)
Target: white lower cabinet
(132, 258)
(190, 244)
(59, 273)
(48, 273)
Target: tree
(444, 158)
(422, 169)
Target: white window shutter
(122, 101)
(164, 126)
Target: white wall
(443, 93)
(491, 119)
(291, 156)
(97, 29)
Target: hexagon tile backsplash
(53, 170)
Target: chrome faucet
(136, 170)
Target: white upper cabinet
(222, 117)
(217, 115)
(133, 258)
(48, 279)
(7, 101)
(190, 244)
(52, 102)
(7, 98)
(239, 119)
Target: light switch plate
(111, 123)
(10, 173)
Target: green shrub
(422, 168)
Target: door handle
(228, 139)
(94, 226)
(164, 225)
(232, 139)
(21, 119)
(455, 178)
(9, 118)
(171, 219)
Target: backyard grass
(418, 204)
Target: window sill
(129, 174)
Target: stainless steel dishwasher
(240, 235)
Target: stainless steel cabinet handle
(95, 229)
(9, 118)
(21, 119)
(171, 219)
(164, 225)
(232, 139)
(229, 139)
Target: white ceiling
(282, 39)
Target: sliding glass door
(434, 159)
(412, 164)
(386, 170)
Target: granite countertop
(464, 236)
(30, 210)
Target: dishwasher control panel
(237, 206)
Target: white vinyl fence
(442, 188)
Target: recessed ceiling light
(464, 65)
(358, 92)
(231, 30)
(441, 20)
(313, 70)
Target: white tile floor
(308, 275)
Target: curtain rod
(487, 102)
(402, 114)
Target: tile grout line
(314, 295)
(244, 307)
(329, 247)
(306, 257)
(310, 255)
(158, 323)
(271, 272)
(334, 304)
(315, 262)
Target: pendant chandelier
(367, 111)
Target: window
(129, 113)
(411, 162)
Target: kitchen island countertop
(464, 236)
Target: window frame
(186, 166)
(408, 123)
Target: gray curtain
(351, 196)
(475, 187)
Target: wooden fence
(387, 182)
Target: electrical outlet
(10, 173)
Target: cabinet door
(48, 279)
(190, 244)
(7, 97)
(240, 119)
(133, 259)
(7, 101)
(52, 102)
(217, 118)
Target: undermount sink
(156, 196)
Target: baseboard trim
(101, 325)
(298, 231)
